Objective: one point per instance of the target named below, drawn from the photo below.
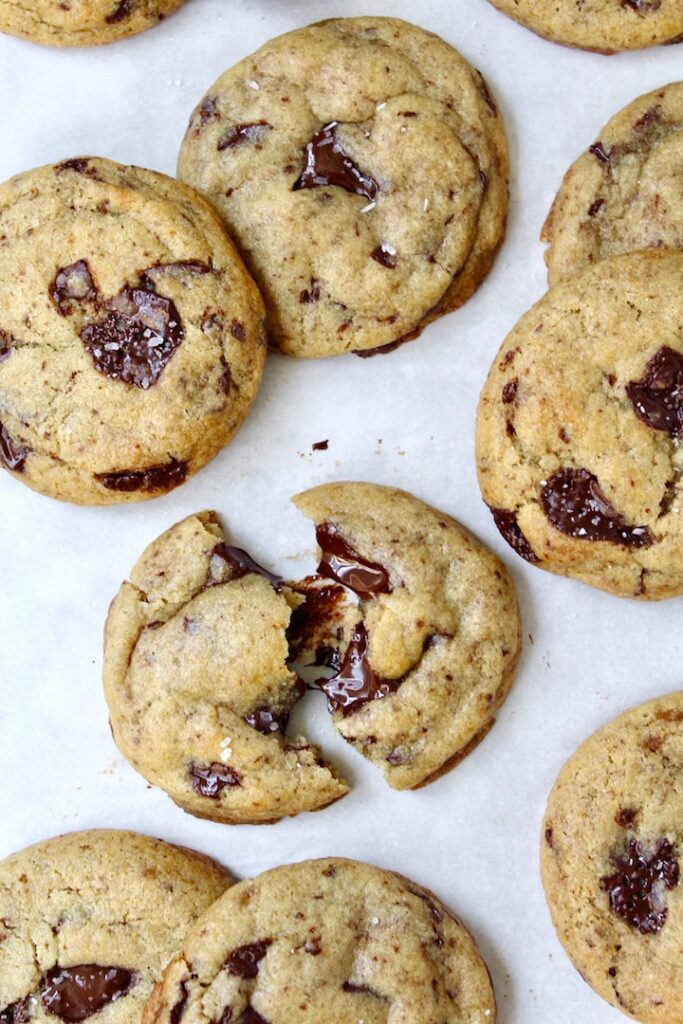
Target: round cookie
(361, 166)
(427, 654)
(198, 685)
(326, 940)
(606, 26)
(89, 920)
(579, 423)
(610, 860)
(81, 22)
(131, 335)
(625, 192)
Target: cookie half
(610, 859)
(426, 655)
(81, 22)
(89, 920)
(605, 26)
(361, 166)
(326, 940)
(579, 426)
(198, 684)
(131, 335)
(625, 192)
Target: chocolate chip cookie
(89, 920)
(131, 335)
(625, 192)
(426, 654)
(611, 849)
(579, 426)
(605, 26)
(198, 684)
(361, 166)
(326, 940)
(81, 22)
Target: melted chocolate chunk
(573, 501)
(13, 455)
(326, 163)
(635, 889)
(72, 284)
(387, 257)
(314, 616)
(79, 164)
(153, 478)
(356, 683)
(136, 338)
(15, 1013)
(268, 721)
(600, 153)
(238, 134)
(382, 350)
(244, 961)
(119, 13)
(509, 529)
(209, 779)
(342, 563)
(178, 1008)
(238, 563)
(657, 398)
(75, 993)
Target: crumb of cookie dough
(610, 858)
(625, 192)
(81, 22)
(579, 426)
(361, 166)
(327, 940)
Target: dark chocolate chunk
(573, 501)
(320, 446)
(268, 721)
(385, 256)
(244, 961)
(207, 111)
(326, 163)
(595, 207)
(71, 285)
(383, 350)
(178, 1008)
(657, 397)
(80, 164)
(165, 476)
(75, 993)
(251, 1016)
(342, 563)
(15, 1013)
(136, 338)
(148, 278)
(119, 13)
(510, 391)
(238, 134)
(313, 618)
(647, 6)
(209, 779)
(625, 817)
(600, 153)
(651, 116)
(6, 341)
(509, 529)
(238, 563)
(12, 454)
(309, 295)
(635, 889)
(356, 683)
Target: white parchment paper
(404, 419)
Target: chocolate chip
(595, 207)
(209, 779)
(136, 338)
(178, 1008)
(384, 255)
(575, 504)
(342, 563)
(267, 721)
(70, 285)
(356, 683)
(382, 350)
(309, 295)
(15, 1013)
(509, 529)
(600, 153)
(75, 993)
(238, 563)
(81, 165)
(326, 163)
(12, 454)
(119, 13)
(510, 391)
(207, 111)
(244, 961)
(548, 834)
(625, 817)
(320, 446)
(635, 889)
(237, 330)
(165, 477)
(648, 6)
(238, 134)
(657, 397)
(251, 1016)
(651, 116)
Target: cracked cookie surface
(427, 654)
(361, 166)
(198, 684)
(606, 26)
(625, 192)
(81, 22)
(89, 920)
(328, 940)
(610, 858)
(579, 425)
(131, 335)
